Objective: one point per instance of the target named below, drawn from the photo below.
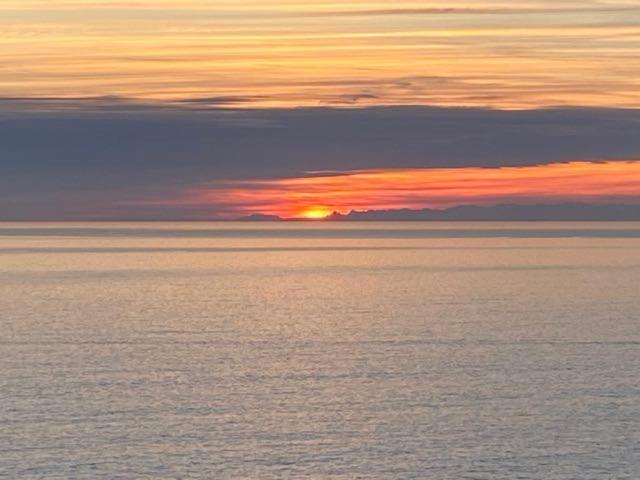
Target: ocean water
(320, 351)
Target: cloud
(108, 156)
(475, 11)
(222, 100)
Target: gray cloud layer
(89, 158)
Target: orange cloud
(318, 195)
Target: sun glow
(315, 213)
(317, 197)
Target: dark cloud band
(96, 155)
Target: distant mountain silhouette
(260, 217)
(470, 213)
(506, 212)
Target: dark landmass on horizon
(470, 213)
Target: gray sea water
(320, 351)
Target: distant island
(468, 213)
(259, 217)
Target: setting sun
(316, 213)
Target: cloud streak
(542, 10)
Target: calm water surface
(340, 351)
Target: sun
(316, 213)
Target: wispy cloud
(470, 11)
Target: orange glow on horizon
(315, 197)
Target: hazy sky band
(523, 54)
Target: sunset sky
(201, 109)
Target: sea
(320, 350)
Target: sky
(195, 109)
